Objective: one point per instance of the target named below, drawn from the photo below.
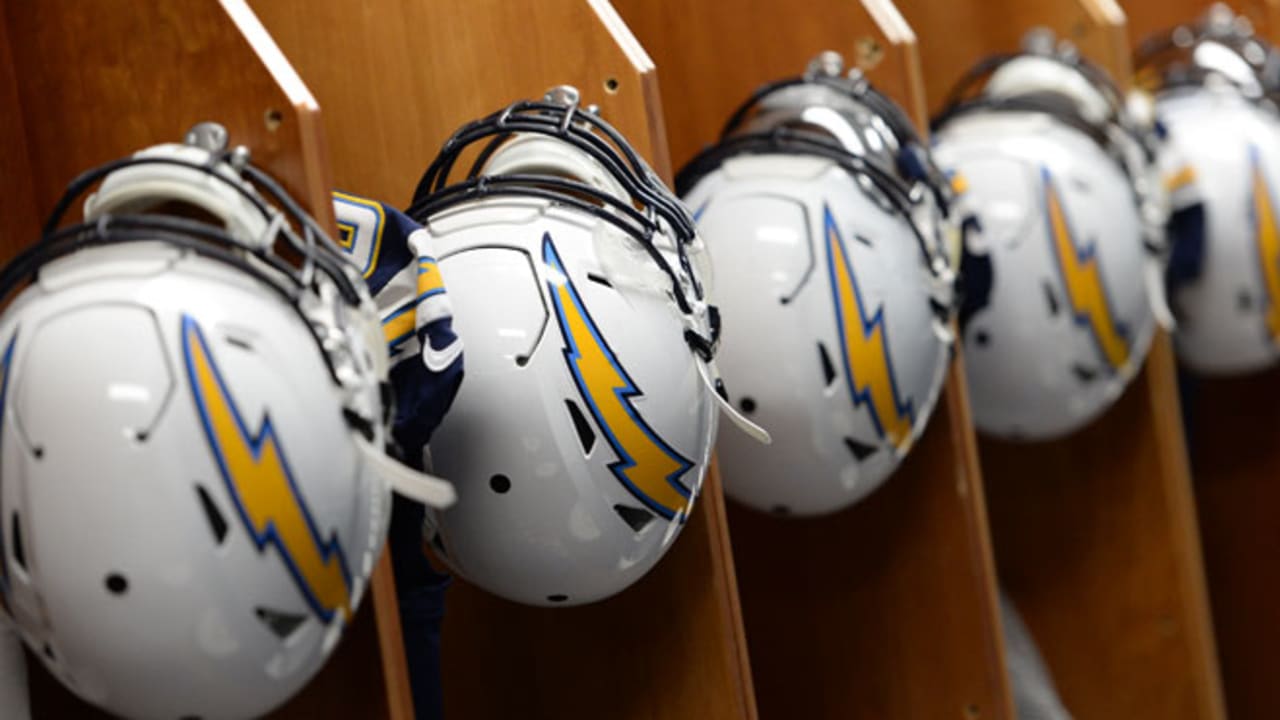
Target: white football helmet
(191, 439)
(822, 212)
(1216, 87)
(580, 439)
(1059, 294)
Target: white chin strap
(407, 482)
(710, 373)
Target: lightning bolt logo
(6, 363)
(1264, 218)
(647, 466)
(864, 346)
(257, 476)
(1082, 278)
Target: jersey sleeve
(395, 258)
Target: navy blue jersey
(395, 256)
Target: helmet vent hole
(281, 623)
(1084, 374)
(611, 85)
(1050, 297)
(863, 239)
(38, 452)
(981, 337)
(1244, 301)
(217, 523)
(747, 404)
(237, 341)
(557, 598)
(19, 555)
(599, 279)
(637, 518)
(828, 368)
(500, 484)
(780, 510)
(586, 436)
(860, 451)
(117, 584)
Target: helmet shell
(830, 340)
(187, 521)
(1062, 321)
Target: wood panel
(852, 615)
(397, 77)
(1235, 462)
(1095, 534)
(89, 83)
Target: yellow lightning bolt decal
(1264, 216)
(868, 368)
(257, 477)
(647, 466)
(1082, 278)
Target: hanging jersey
(394, 255)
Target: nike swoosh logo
(440, 360)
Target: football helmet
(195, 489)
(824, 218)
(579, 443)
(1061, 291)
(1216, 87)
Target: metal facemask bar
(648, 214)
(1168, 59)
(1134, 149)
(319, 253)
(901, 185)
(324, 289)
(650, 211)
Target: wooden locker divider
(887, 609)
(397, 77)
(86, 85)
(1095, 534)
(1235, 464)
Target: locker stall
(851, 614)
(396, 78)
(1095, 535)
(84, 91)
(1234, 463)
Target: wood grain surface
(856, 614)
(1235, 463)
(396, 77)
(1096, 537)
(86, 83)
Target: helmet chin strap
(710, 375)
(404, 480)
